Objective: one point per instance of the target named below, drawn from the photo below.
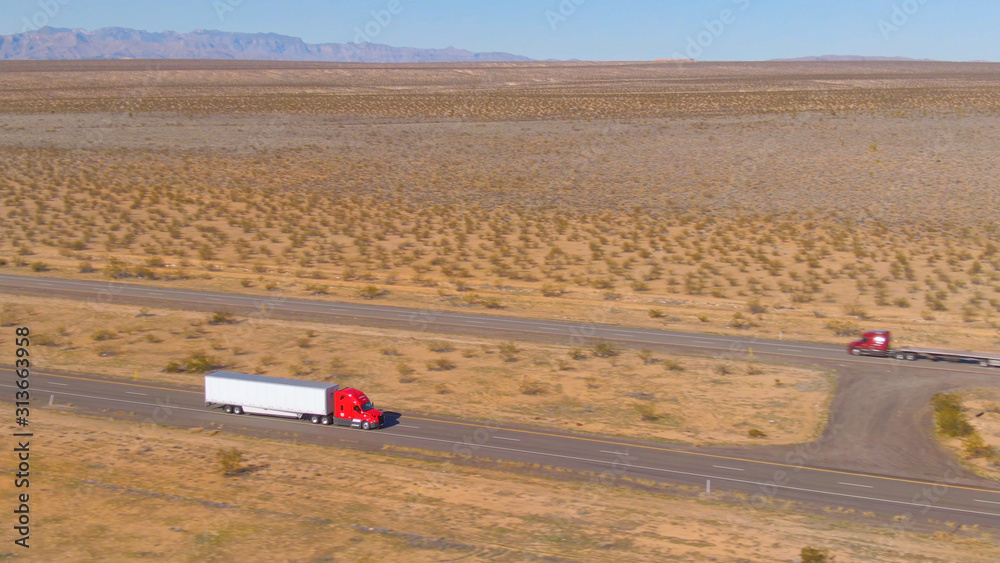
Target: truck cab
(874, 343)
(354, 408)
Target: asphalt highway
(795, 474)
(494, 326)
(612, 458)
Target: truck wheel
(228, 409)
(365, 425)
(855, 351)
(325, 421)
(900, 356)
(314, 419)
(911, 356)
(237, 409)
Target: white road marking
(701, 342)
(989, 501)
(134, 393)
(615, 453)
(54, 383)
(502, 438)
(856, 485)
(408, 426)
(730, 468)
(788, 350)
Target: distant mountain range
(821, 58)
(49, 43)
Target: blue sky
(571, 29)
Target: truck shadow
(390, 419)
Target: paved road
(793, 478)
(494, 326)
(876, 454)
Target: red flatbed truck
(876, 343)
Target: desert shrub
(740, 321)
(85, 267)
(491, 303)
(604, 350)
(194, 363)
(405, 372)
(656, 314)
(553, 290)
(754, 370)
(320, 289)
(39, 267)
(975, 446)
(117, 269)
(103, 335)
(813, 555)
(755, 433)
(222, 317)
(843, 327)
(672, 365)
(948, 415)
(508, 351)
(647, 411)
(230, 461)
(856, 310)
(577, 354)
(440, 364)
(439, 346)
(647, 357)
(371, 292)
(531, 387)
(755, 307)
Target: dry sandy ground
(824, 190)
(694, 400)
(117, 490)
(982, 408)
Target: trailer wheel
(911, 356)
(984, 363)
(228, 409)
(855, 351)
(365, 425)
(325, 421)
(314, 419)
(900, 356)
(237, 409)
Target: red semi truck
(876, 343)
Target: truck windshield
(367, 406)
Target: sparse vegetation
(230, 461)
(948, 415)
